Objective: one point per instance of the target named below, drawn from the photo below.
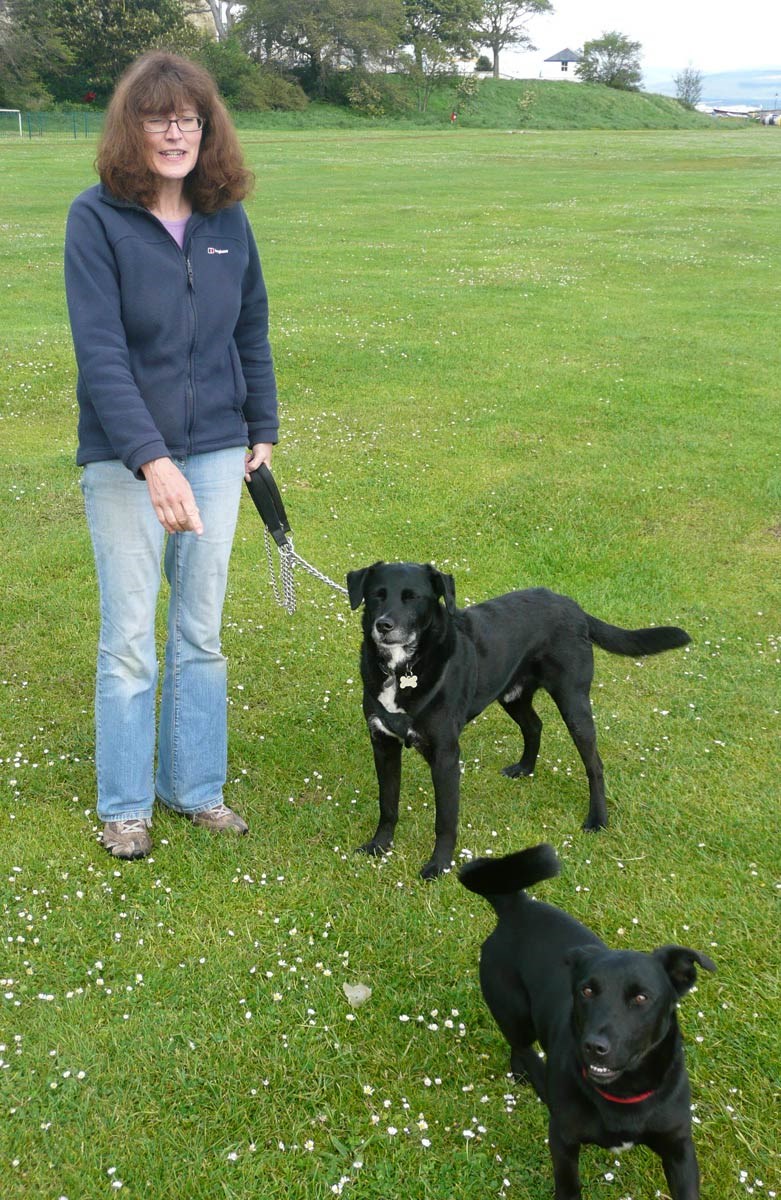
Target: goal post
(11, 112)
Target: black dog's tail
(635, 642)
(498, 878)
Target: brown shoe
(127, 839)
(220, 819)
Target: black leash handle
(267, 500)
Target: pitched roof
(565, 56)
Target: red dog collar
(617, 1099)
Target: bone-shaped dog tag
(408, 681)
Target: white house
(561, 65)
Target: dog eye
(381, 594)
(639, 999)
(407, 595)
(587, 991)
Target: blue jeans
(128, 542)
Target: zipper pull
(189, 272)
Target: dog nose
(597, 1045)
(383, 624)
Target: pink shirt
(176, 229)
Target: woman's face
(173, 152)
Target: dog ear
(356, 584)
(678, 962)
(444, 586)
(579, 957)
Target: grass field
(532, 358)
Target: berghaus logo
(214, 250)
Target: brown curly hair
(156, 84)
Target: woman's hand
(260, 453)
(172, 497)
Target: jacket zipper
(190, 402)
(190, 399)
(191, 351)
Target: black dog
(428, 668)
(614, 1071)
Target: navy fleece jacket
(171, 344)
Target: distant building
(558, 64)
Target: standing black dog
(614, 1071)
(428, 668)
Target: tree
(440, 31)
(613, 60)
(97, 39)
(243, 84)
(26, 54)
(223, 15)
(503, 23)
(437, 33)
(322, 34)
(688, 87)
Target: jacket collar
(108, 197)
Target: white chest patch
(395, 657)
(387, 696)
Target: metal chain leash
(284, 589)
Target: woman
(169, 317)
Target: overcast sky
(709, 35)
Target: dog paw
(516, 770)
(433, 869)
(593, 825)
(374, 848)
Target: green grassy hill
(548, 104)
(499, 104)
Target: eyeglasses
(163, 124)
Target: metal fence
(78, 124)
